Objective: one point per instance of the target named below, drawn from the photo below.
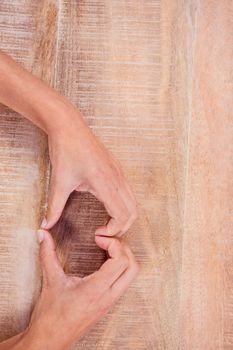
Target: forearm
(31, 97)
(26, 340)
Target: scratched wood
(207, 285)
(114, 63)
(153, 80)
(22, 172)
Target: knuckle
(113, 243)
(123, 261)
(133, 264)
(124, 218)
(120, 223)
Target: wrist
(51, 111)
(39, 337)
(33, 98)
(61, 119)
(31, 340)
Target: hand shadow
(74, 234)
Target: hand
(69, 305)
(80, 162)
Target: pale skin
(68, 306)
(80, 162)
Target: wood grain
(114, 63)
(27, 34)
(206, 297)
(154, 81)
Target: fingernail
(44, 223)
(40, 236)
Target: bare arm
(79, 161)
(31, 97)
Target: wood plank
(154, 81)
(114, 61)
(206, 297)
(27, 33)
(117, 63)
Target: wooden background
(153, 79)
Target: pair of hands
(73, 304)
(68, 306)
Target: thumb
(58, 195)
(50, 264)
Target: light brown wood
(22, 176)
(154, 81)
(206, 290)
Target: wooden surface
(154, 82)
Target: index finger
(116, 208)
(114, 267)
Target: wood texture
(206, 297)
(154, 81)
(21, 177)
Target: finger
(58, 196)
(123, 180)
(122, 283)
(113, 228)
(50, 264)
(119, 225)
(130, 193)
(113, 267)
(116, 209)
(130, 202)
